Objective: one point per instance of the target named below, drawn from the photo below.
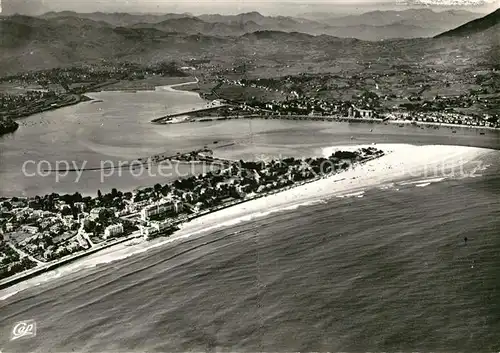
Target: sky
(283, 7)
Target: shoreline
(39, 270)
(189, 119)
(348, 183)
(77, 99)
(83, 97)
(317, 118)
(428, 123)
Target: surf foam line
(423, 181)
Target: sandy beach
(172, 88)
(418, 165)
(401, 162)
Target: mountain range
(55, 40)
(375, 25)
(425, 18)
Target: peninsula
(43, 232)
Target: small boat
(481, 133)
(454, 131)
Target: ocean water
(386, 270)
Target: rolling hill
(116, 19)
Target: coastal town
(291, 102)
(366, 96)
(45, 230)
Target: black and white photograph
(249, 176)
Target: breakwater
(165, 119)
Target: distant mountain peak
(252, 13)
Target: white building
(113, 230)
(155, 228)
(68, 221)
(61, 205)
(361, 113)
(95, 212)
(30, 229)
(147, 232)
(162, 208)
(9, 227)
(80, 206)
(82, 241)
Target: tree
(66, 212)
(99, 194)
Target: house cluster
(447, 118)
(246, 83)
(51, 228)
(104, 71)
(9, 103)
(299, 106)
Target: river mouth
(118, 128)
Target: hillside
(385, 32)
(193, 25)
(34, 43)
(489, 24)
